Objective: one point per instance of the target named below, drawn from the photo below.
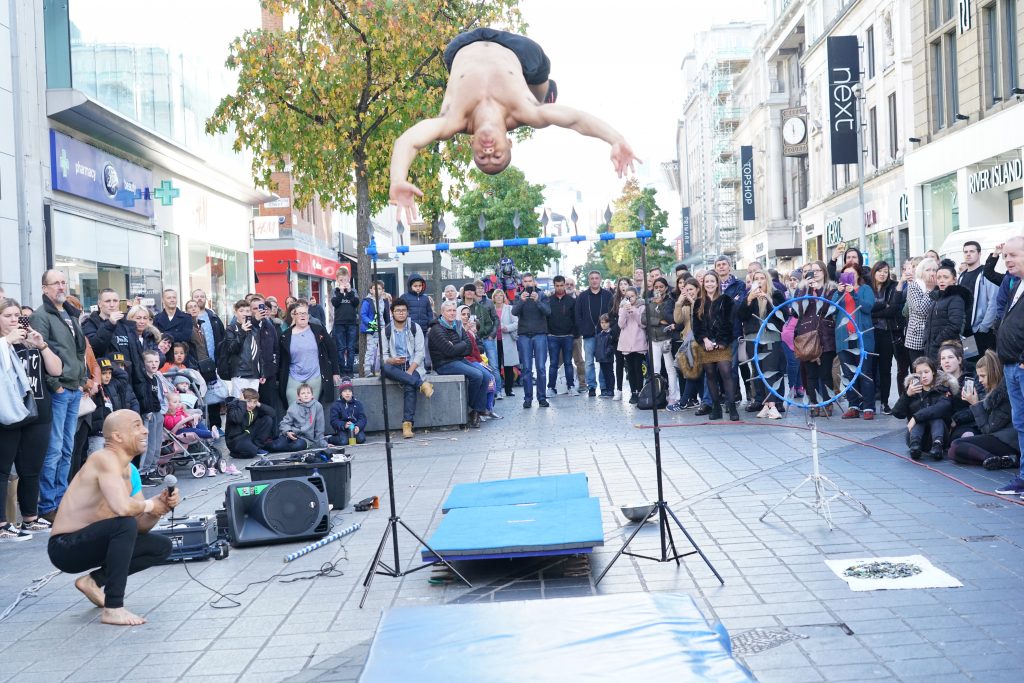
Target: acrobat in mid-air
(497, 82)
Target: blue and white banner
(85, 171)
(516, 242)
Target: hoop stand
(825, 490)
(378, 566)
(669, 552)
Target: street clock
(794, 132)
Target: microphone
(171, 482)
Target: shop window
(869, 47)
(873, 136)
(942, 210)
(171, 262)
(83, 281)
(1015, 198)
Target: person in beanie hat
(348, 418)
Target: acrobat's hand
(403, 195)
(623, 158)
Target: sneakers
(574, 392)
(607, 394)
(704, 409)
(851, 414)
(764, 412)
(999, 462)
(261, 453)
(543, 403)
(12, 534)
(231, 469)
(1014, 488)
(634, 399)
(773, 413)
(36, 526)
(674, 407)
(149, 481)
(936, 451)
(886, 410)
(868, 415)
(618, 395)
(215, 431)
(915, 453)
(527, 403)
(753, 407)
(211, 472)
(427, 389)
(592, 392)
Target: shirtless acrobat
(103, 520)
(498, 81)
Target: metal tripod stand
(378, 566)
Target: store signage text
(843, 77)
(904, 207)
(687, 232)
(1001, 174)
(89, 172)
(834, 231)
(747, 181)
(966, 16)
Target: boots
(407, 430)
(915, 449)
(427, 389)
(733, 414)
(716, 411)
(937, 451)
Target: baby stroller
(188, 449)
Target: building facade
(871, 214)
(122, 187)
(965, 171)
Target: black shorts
(536, 65)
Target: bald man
(1010, 346)
(103, 520)
(498, 81)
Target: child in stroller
(187, 441)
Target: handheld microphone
(171, 482)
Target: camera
(200, 321)
(530, 290)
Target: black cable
(327, 570)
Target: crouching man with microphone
(103, 520)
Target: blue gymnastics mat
(598, 639)
(517, 491)
(549, 528)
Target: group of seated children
(950, 412)
(250, 430)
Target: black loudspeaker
(277, 511)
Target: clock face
(794, 130)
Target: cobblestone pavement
(793, 620)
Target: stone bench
(446, 408)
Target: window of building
(941, 209)
(835, 177)
(894, 140)
(938, 87)
(1016, 200)
(952, 85)
(1010, 44)
(869, 46)
(990, 46)
(945, 88)
(873, 135)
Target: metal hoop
(856, 372)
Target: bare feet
(119, 616)
(90, 589)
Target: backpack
(653, 391)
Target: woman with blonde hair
(919, 306)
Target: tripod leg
(695, 546)
(666, 529)
(440, 558)
(620, 551)
(376, 560)
(784, 499)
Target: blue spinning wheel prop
(777, 377)
(825, 490)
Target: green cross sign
(64, 163)
(166, 193)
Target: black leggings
(25, 448)
(116, 547)
(634, 370)
(819, 375)
(620, 365)
(885, 350)
(508, 372)
(974, 450)
(719, 375)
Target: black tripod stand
(661, 509)
(378, 566)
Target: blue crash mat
(516, 530)
(516, 491)
(608, 638)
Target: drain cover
(978, 539)
(759, 639)
(989, 506)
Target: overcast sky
(621, 61)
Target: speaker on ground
(277, 511)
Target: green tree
(498, 197)
(328, 97)
(620, 257)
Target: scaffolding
(725, 116)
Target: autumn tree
(620, 257)
(498, 198)
(327, 97)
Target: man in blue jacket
(591, 304)
(174, 321)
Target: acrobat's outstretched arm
(585, 124)
(403, 193)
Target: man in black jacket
(250, 425)
(1010, 347)
(172, 320)
(561, 332)
(99, 326)
(269, 338)
(346, 323)
(591, 304)
(532, 310)
(449, 347)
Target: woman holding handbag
(23, 444)
(814, 341)
(712, 328)
(688, 355)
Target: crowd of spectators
(939, 345)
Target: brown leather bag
(807, 339)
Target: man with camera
(533, 310)
(99, 326)
(346, 323)
(268, 337)
(241, 359)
